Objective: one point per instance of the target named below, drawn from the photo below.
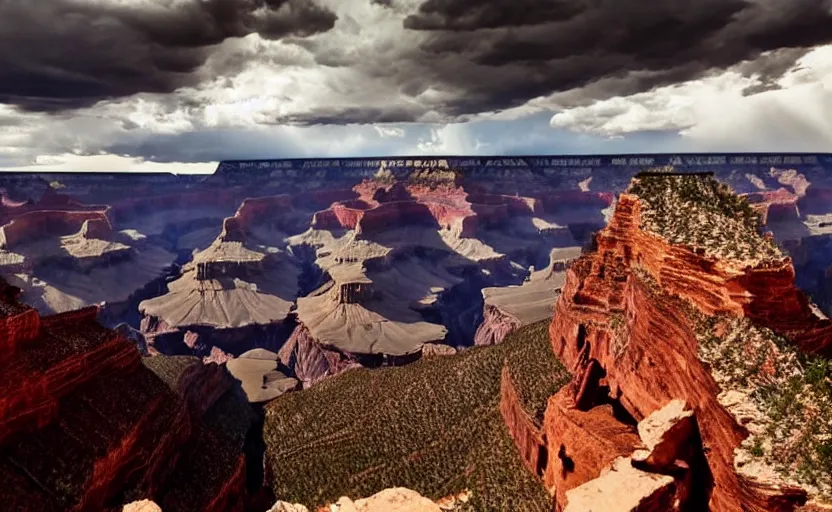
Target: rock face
(397, 499)
(523, 429)
(84, 426)
(580, 444)
(282, 506)
(625, 323)
(312, 362)
(651, 480)
(623, 488)
(511, 307)
(142, 506)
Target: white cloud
(713, 114)
(389, 131)
(112, 163)
(451, 139)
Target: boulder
(142, 506)
(623, 488)
(398, 499)
(283, 506)
(666, 433)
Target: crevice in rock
(567, 464)
(254, 448)
(702, 481)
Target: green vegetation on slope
(702, 212)
(791, 391)
(535, 371)
(169, 368)
(433, 426)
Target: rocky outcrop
(624, 322)
(257, 370)
(397, 499)
(283, 506)
(38, 224)
(522, 428)
(142, 506)
(580, 444)
(655, 479)
(495, 326)
(309, 360)
(776, 206)
(766, 294)
(623, 488)
(508, 308)
(437, 349)
(84, 426)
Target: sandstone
(283, 506)
(580, 444)
(624, 311)
(397, 499)
(142, 506)
(667, 433)
(310, 361)
(624, 488)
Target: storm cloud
(501, 54)
(65, 54)
(167, 81)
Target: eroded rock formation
(84, 426)
(628, 323)
(397, 499)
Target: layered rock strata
(510, 307)
(636, 288)
(84, 426)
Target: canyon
(214, 302)
(628, 322)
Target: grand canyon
(570, 333)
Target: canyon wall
(766, 294)
(523, 430)
(39, 224)
(127, 208)
(632, 338)
(89, 427)
(495, 326)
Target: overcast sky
(180, 84)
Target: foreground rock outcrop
(398, 499)
(631, 320)
(656, 478)
(84, 426)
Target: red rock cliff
(631, 337)
(84, 426)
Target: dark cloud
(501, 54)
(471, 15)
(768, 68)
(62, 54)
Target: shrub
(433, 426)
